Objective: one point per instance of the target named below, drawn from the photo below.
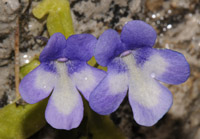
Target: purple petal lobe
(138, 34)
(177, 70)
(54, 48)
(64, 111)
(149, 100)
(38, 84)
(80, 47)
(111, 91)
(65, 106)
(86, 78)
(108, 47)
(163, 64)
(149, 106)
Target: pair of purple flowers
(133, 66)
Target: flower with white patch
(135, 66)
(63, 70)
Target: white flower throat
(142, 87)
(65, 95)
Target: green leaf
(59, 16)
(93, 62)
(21, 121)
(102, 68)
(24, 70)
(100, 127)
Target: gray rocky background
(177, 23)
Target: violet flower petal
(80, 47)
(108, 47)
(147, 110)
(38, 84)
(65, 106)
(85, 77)
(177, 70)
(149, 100)
(138, 34)
(111, 91)
(54, 48)
(165, 65)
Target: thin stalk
(17, 94)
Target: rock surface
(177, 23)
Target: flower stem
(17, 59)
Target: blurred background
(177, 23)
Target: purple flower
(135, 66)
(63, 70)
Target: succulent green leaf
(102, 68)
(24, 70)
(58, 18)
(100, 127)
(93, 62)
(21, 121)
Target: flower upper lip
(71, 49)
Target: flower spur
(63, 68)
(135, 66)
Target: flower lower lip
(62, 59)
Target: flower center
(63, 59)
(126, 53)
